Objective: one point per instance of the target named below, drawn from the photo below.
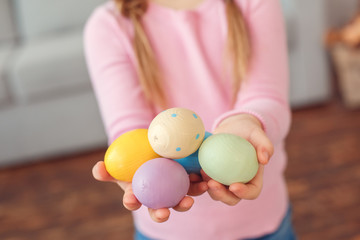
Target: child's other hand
(249, 128)
(130, 202)
(235, 192)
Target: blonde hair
(238, 49)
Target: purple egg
(160, 183)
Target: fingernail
(266, 156)
(159, 215)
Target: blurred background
(47, 152)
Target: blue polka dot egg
(176, 133)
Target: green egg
(228, 158)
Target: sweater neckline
(156, 8)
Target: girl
(224, 59)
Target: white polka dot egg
(176, 133)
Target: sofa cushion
(50, 128)
(4, 56)
(48, 67)
(39, 17)
(7, 31)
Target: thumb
(262, 144)
(99, 172)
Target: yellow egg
(127, 153)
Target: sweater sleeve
(112, 72)
(264, 93)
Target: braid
(148, 70)
(238, 44)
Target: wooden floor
(60, 200)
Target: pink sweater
(189, 46)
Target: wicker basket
(347, 64)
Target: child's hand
(130, 202)
(249, 128)
(235, 192)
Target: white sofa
(47, 106)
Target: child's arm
(264, 92)
(112, 71)
(122, 104)
(261, 113)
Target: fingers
(197, 189)
(250, 190)
(159, 215)
(185, 204)
(264, 147)
(236, 191)
(163, 214)
(205, 177)
(197, 186)
(99, 172)
(194, 177)
(130, 202)
(219, 192)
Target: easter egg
(228, 158)
(176, 133)
(191, 163)
(160, 183)
(127, 153)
